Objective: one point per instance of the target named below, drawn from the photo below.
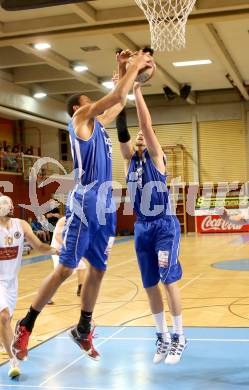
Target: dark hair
(15, 149)
(72, 101)
(149, 50)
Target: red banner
(9, 253)
(215, 224)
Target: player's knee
(4, 317)
(96, 273)
(64, 272)
(171, 286)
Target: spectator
(2, 154)
(39, 231)
(15, 149)
(10, 162)
(18, 155)
(53, 215)
(29, 152)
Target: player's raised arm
(111, 113)
(145, 124)
(118, 95)
(236, 219)
(124, 138)
(34, 241)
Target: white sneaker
(178, 344)
(163, 347)
(14, 370)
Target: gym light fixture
(131, 97)
(39, 95)
(79, 68)
(108, 84)
(192, 63)
(42, 46)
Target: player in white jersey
(57, 243)
(12, 233)
(236, 217)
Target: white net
(167, 20)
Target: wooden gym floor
(211, 297)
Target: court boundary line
(54, 387)
(45, 340)
(153, 338)
(110, 338)
(79, 358)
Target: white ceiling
(236, 38)
(217, 30)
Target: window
(65, 150)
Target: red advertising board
(215, 224)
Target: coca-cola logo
(209, 223)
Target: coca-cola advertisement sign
(215, 224)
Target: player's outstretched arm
(145, 124)
(111, 113)
(236, 219)
(124, 138)
(118, 95)
(34, 241)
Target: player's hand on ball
(123, 57)
(142, 60)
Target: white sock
(161, 325)
(177, 324)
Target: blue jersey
(88, 231)
(92, 160)
(147, 188)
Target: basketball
(145, 74)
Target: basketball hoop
(167, 20)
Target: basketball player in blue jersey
(88, 231)
(157, 232)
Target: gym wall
(221, 149)
(180, 133)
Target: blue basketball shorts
(157, 246)
(92, 241)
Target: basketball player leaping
(156, 236)
(86, 234)
(12, 233)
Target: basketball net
(167, 20)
